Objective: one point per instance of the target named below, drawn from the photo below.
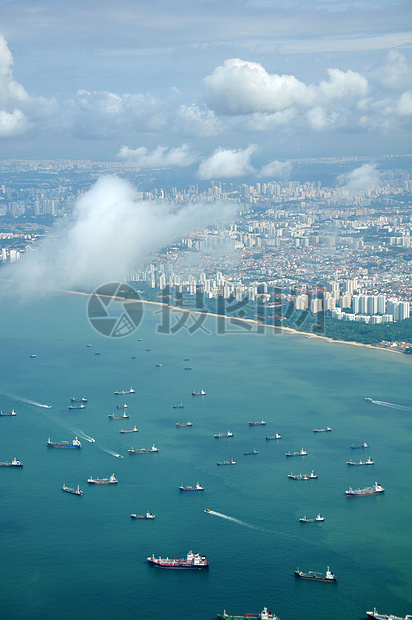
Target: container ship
(191, 561)
(373, 490)
(64, 444)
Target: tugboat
(191, 561)
(111, 480)
(328, 576)
(367, 462)
(198, 487)
(276, 436)
(362, 445)
(201, 393)
(376, 489)
(317, 519)
(221, 435)
(181, 424)
(8, 414)
(148, 515)
(261, 423)
(121, 392)
(64, 444)
(263, 615)
(112, 416)
(232, 462)
(77, 491)
(131, 430)
(301, 452)
(13, 463)
(374, 614)
(144, 450)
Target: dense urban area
(295, 251)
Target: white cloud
(227, 163)
(319, 119)
(161, 157)
(405, 104)
(365, 177)
(193, 121)
(12, 124)
(276, 170)
(110, 233)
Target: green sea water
(64, 556)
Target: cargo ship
(360, 446)
(301, 452)
(179, 406)
(111, 480)
(122, 406)
(322, 430)
(311, 476)
(191, 561)
(8, 414)
(317, 519)
(64, 444)
(79, 400)
(250, 452)
(328, 576)
(198, 487)
(77, 407)
(144, 450)
(374, 614)
(77, 491)
(148, 515)
(121, 392)
(130, 430)
(360, 462)
(276, 436)
(182, 424)
(263, 615)
(221, 435)
(261, 423)
(232, 462)
(113, 416)
(201, 393)
(13, 463)
(373, 490)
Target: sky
(228, 89)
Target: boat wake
(119, 456)
(26, 400)
(238, 521)
(82, 435)
(382, 403)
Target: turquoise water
(64, 556)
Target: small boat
(111, 480)
(187, 368)
(98, 353)
(121, 392)
(89, 345)
(79, 400)
(192, 560)
(360, 462)
(375, 489)
(130, 430)
(77, 491)
(139, 339)
(317, 519)
(76, 406)
(271, 437)
(261, 423)
(207, 510)
(64, 444)
(148, 515)
(201, 393)
(121, 406)
(159, 365)
(181, 424)
(221, 435)
(179, 406)
(263, 615)
(369, 400)
(362, 445)
(322, 430)
(232, 462)
(374, 614)
(112, 416)
(251, 452)
(12, 413)
(33, 356)
(198, 487)
(328, 576)
(301, 452)
(144, 450)
(13, 463)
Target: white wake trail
(382, 403)
(238, 521)
(26, 400)
(119, 456)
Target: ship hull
(178, 566)
(314, 577)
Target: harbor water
(66, 556)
